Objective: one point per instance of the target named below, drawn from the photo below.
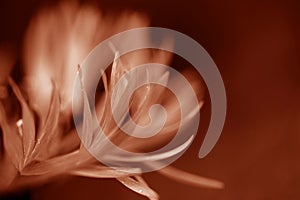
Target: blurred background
(255, 45)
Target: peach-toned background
(256, 47)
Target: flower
(39, 139)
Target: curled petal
(139, 187)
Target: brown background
(256, 47)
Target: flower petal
(11, 140)
(41, 149)
(191, 179)
(139, 187)
(28, 127)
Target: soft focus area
(256, 47)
